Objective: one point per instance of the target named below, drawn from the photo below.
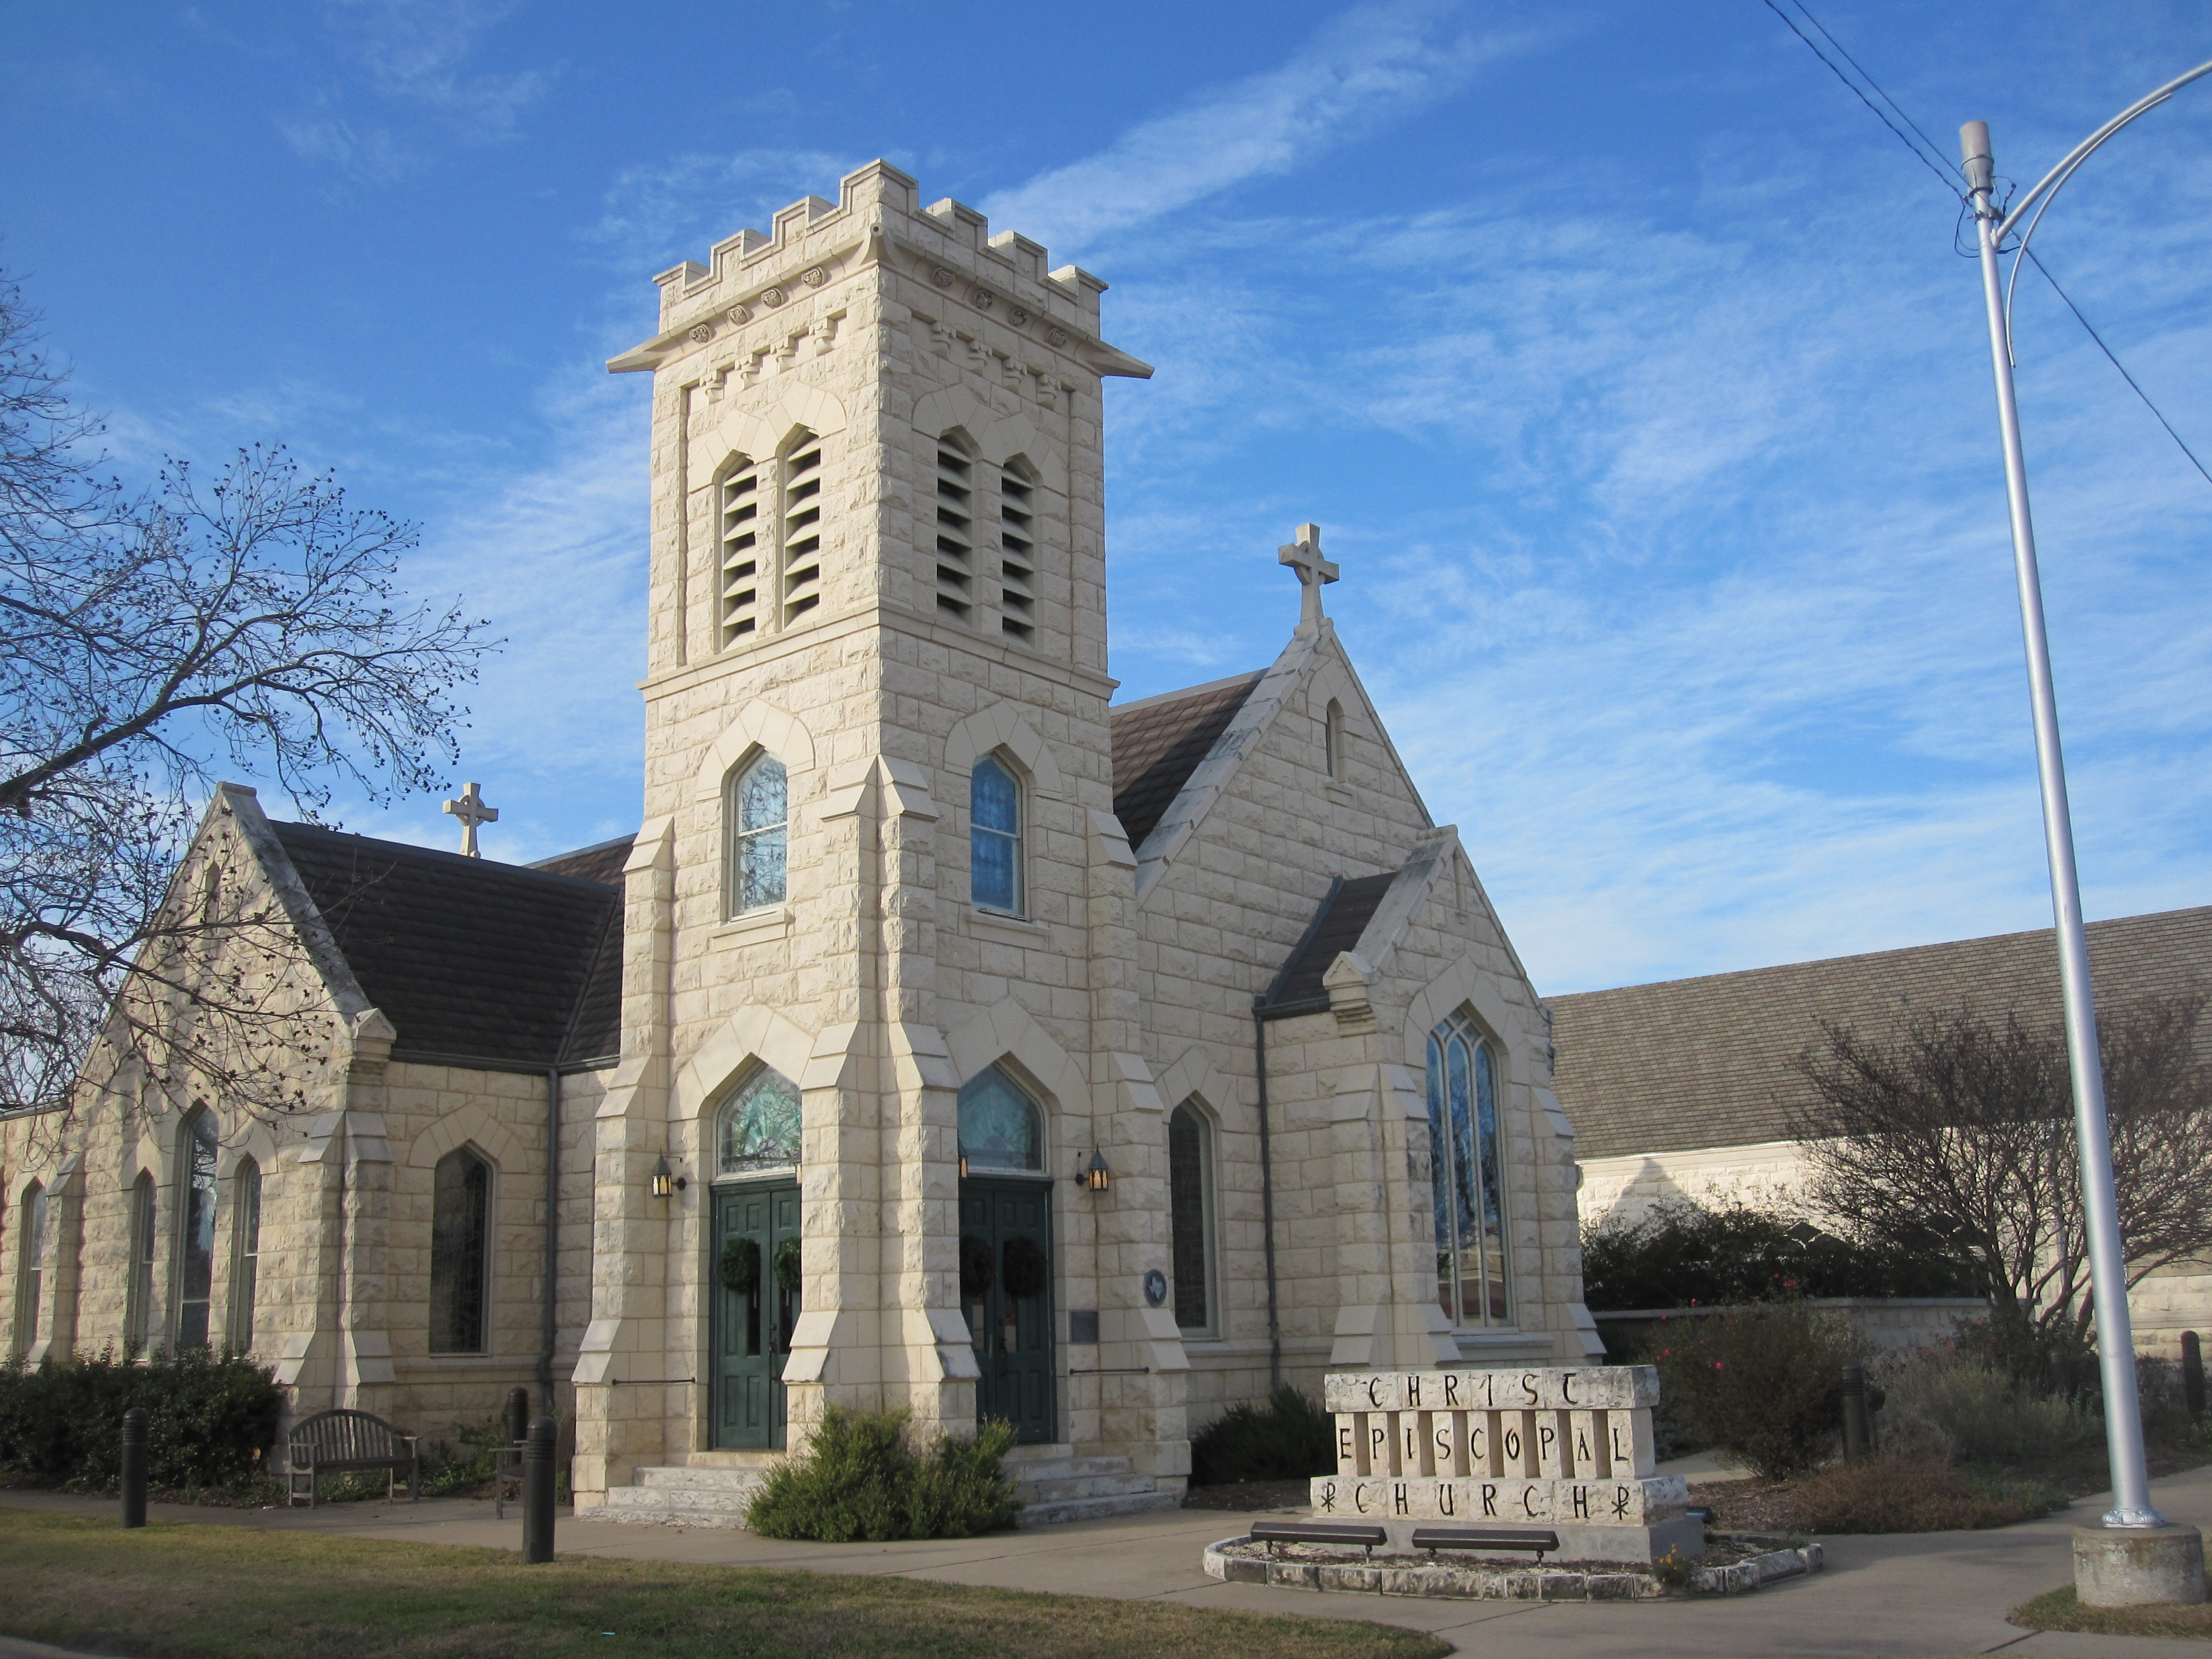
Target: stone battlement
(750, 263)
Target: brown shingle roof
(1336, 927)
(1705, 1062)
(1160, 741)
(468, 957)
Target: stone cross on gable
(471, 810)
(1304, 556)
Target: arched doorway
(1006, 1254)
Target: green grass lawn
(177, 1591)
(2061, 1609)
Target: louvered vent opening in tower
(740, 499)
(802, 528)
(1018, 557)
(955, 512)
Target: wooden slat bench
(1271, 1532)
(1433, 1539)
(342, 1442)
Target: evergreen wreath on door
(786, 1265)
(739, 1266)
(974, 1267)
(1025, 1268)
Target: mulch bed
(1250, 1495)
(1760, 1506)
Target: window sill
(1339, 794)
(1019, 930)
(770, 921)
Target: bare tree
(144, 640)
(1960, 1129)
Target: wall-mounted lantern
(1094, 1176)
(666, 1182)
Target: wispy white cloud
(655, 214)
(1372, 64)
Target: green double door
(1008, 1224)
(751, 1335)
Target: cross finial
(471, 810)
(1304, 556)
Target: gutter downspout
(551, 1321)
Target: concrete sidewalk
(1900, 1597)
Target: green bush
(860, 1479)
(1682, 1254)
(210, 1418)
(1288, 1438)
(1951, 1408)
(1766, 1383)
(449, 1471)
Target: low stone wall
(1237, 1560)
(1898, 1324)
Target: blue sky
(1623, 357)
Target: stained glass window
(460, 1228)
(1465, 1166)
(30, 1268)
(760, 1126)
(1000, 1127)
(756, 814)
(138, 1303)
(196, 1245)
(1190, 1216)
(994, 837)
(244, 1251)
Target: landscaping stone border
(1397, 1575)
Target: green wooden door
(1011, 1322)
(752, 1327)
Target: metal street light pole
(2131, 1504)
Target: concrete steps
(714, 1489)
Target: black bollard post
(134, 1467)
(518, 1416)
(537, 1493)
(1856, 1435)
(2193, 1375)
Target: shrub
(1953, 1407)
(1898, 1493)
(448, 1470)
(1766, 1385)
(1288, 1438)
(858, 1478)
(1681, 1253)
(210, 1418)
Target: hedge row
(211, 1419)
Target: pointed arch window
(30, 1266)
(759, 1129)
(196, 1230)
(460, 1252)
(244, 1252)
(756, 829)
(1000, 1128)
(138, 1298)
(1190, 1219)
(1332, 737)
(994, 837)
(1465, 1161)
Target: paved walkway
(1904, 1597)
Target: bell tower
(878, 564)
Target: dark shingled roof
(601, 863)
(1158, 743)
(1705, 1062)
(1336, 927)
(467, 957)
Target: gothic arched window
(138, 1296)
(1332, 738)
(460, 1254)
(195, 1229)
(759, 1130)
(1190, 1217)
(994, 837)
(1000, 1128)
(1465, 1154)
(755, 831)
(30, 1267)
(244, 1252)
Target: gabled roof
(1705, 1062)
(1160, 741)
(1337, 924)
(468, 958)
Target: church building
(947, 1038)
